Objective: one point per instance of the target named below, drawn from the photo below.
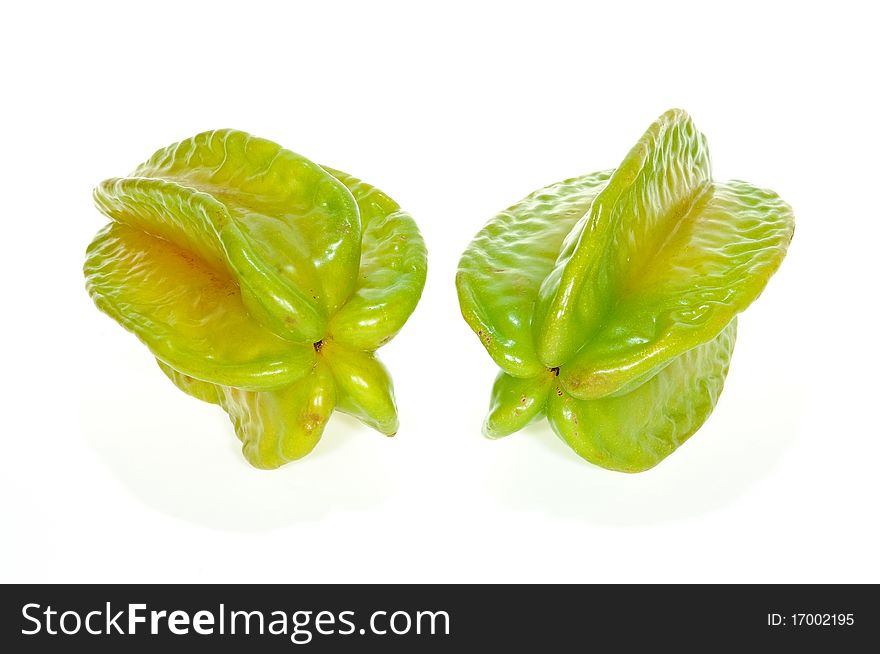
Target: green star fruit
(609, 301)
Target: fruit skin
(635, 430)
(609, 301)
(261, 282)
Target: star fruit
(609, 301)
(261, 282)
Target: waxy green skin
(262, 282)
(609, 301)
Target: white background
(457, 110)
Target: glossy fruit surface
(261, 282)
(609, 301)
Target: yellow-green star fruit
(261, 282)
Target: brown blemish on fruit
(311, 422)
